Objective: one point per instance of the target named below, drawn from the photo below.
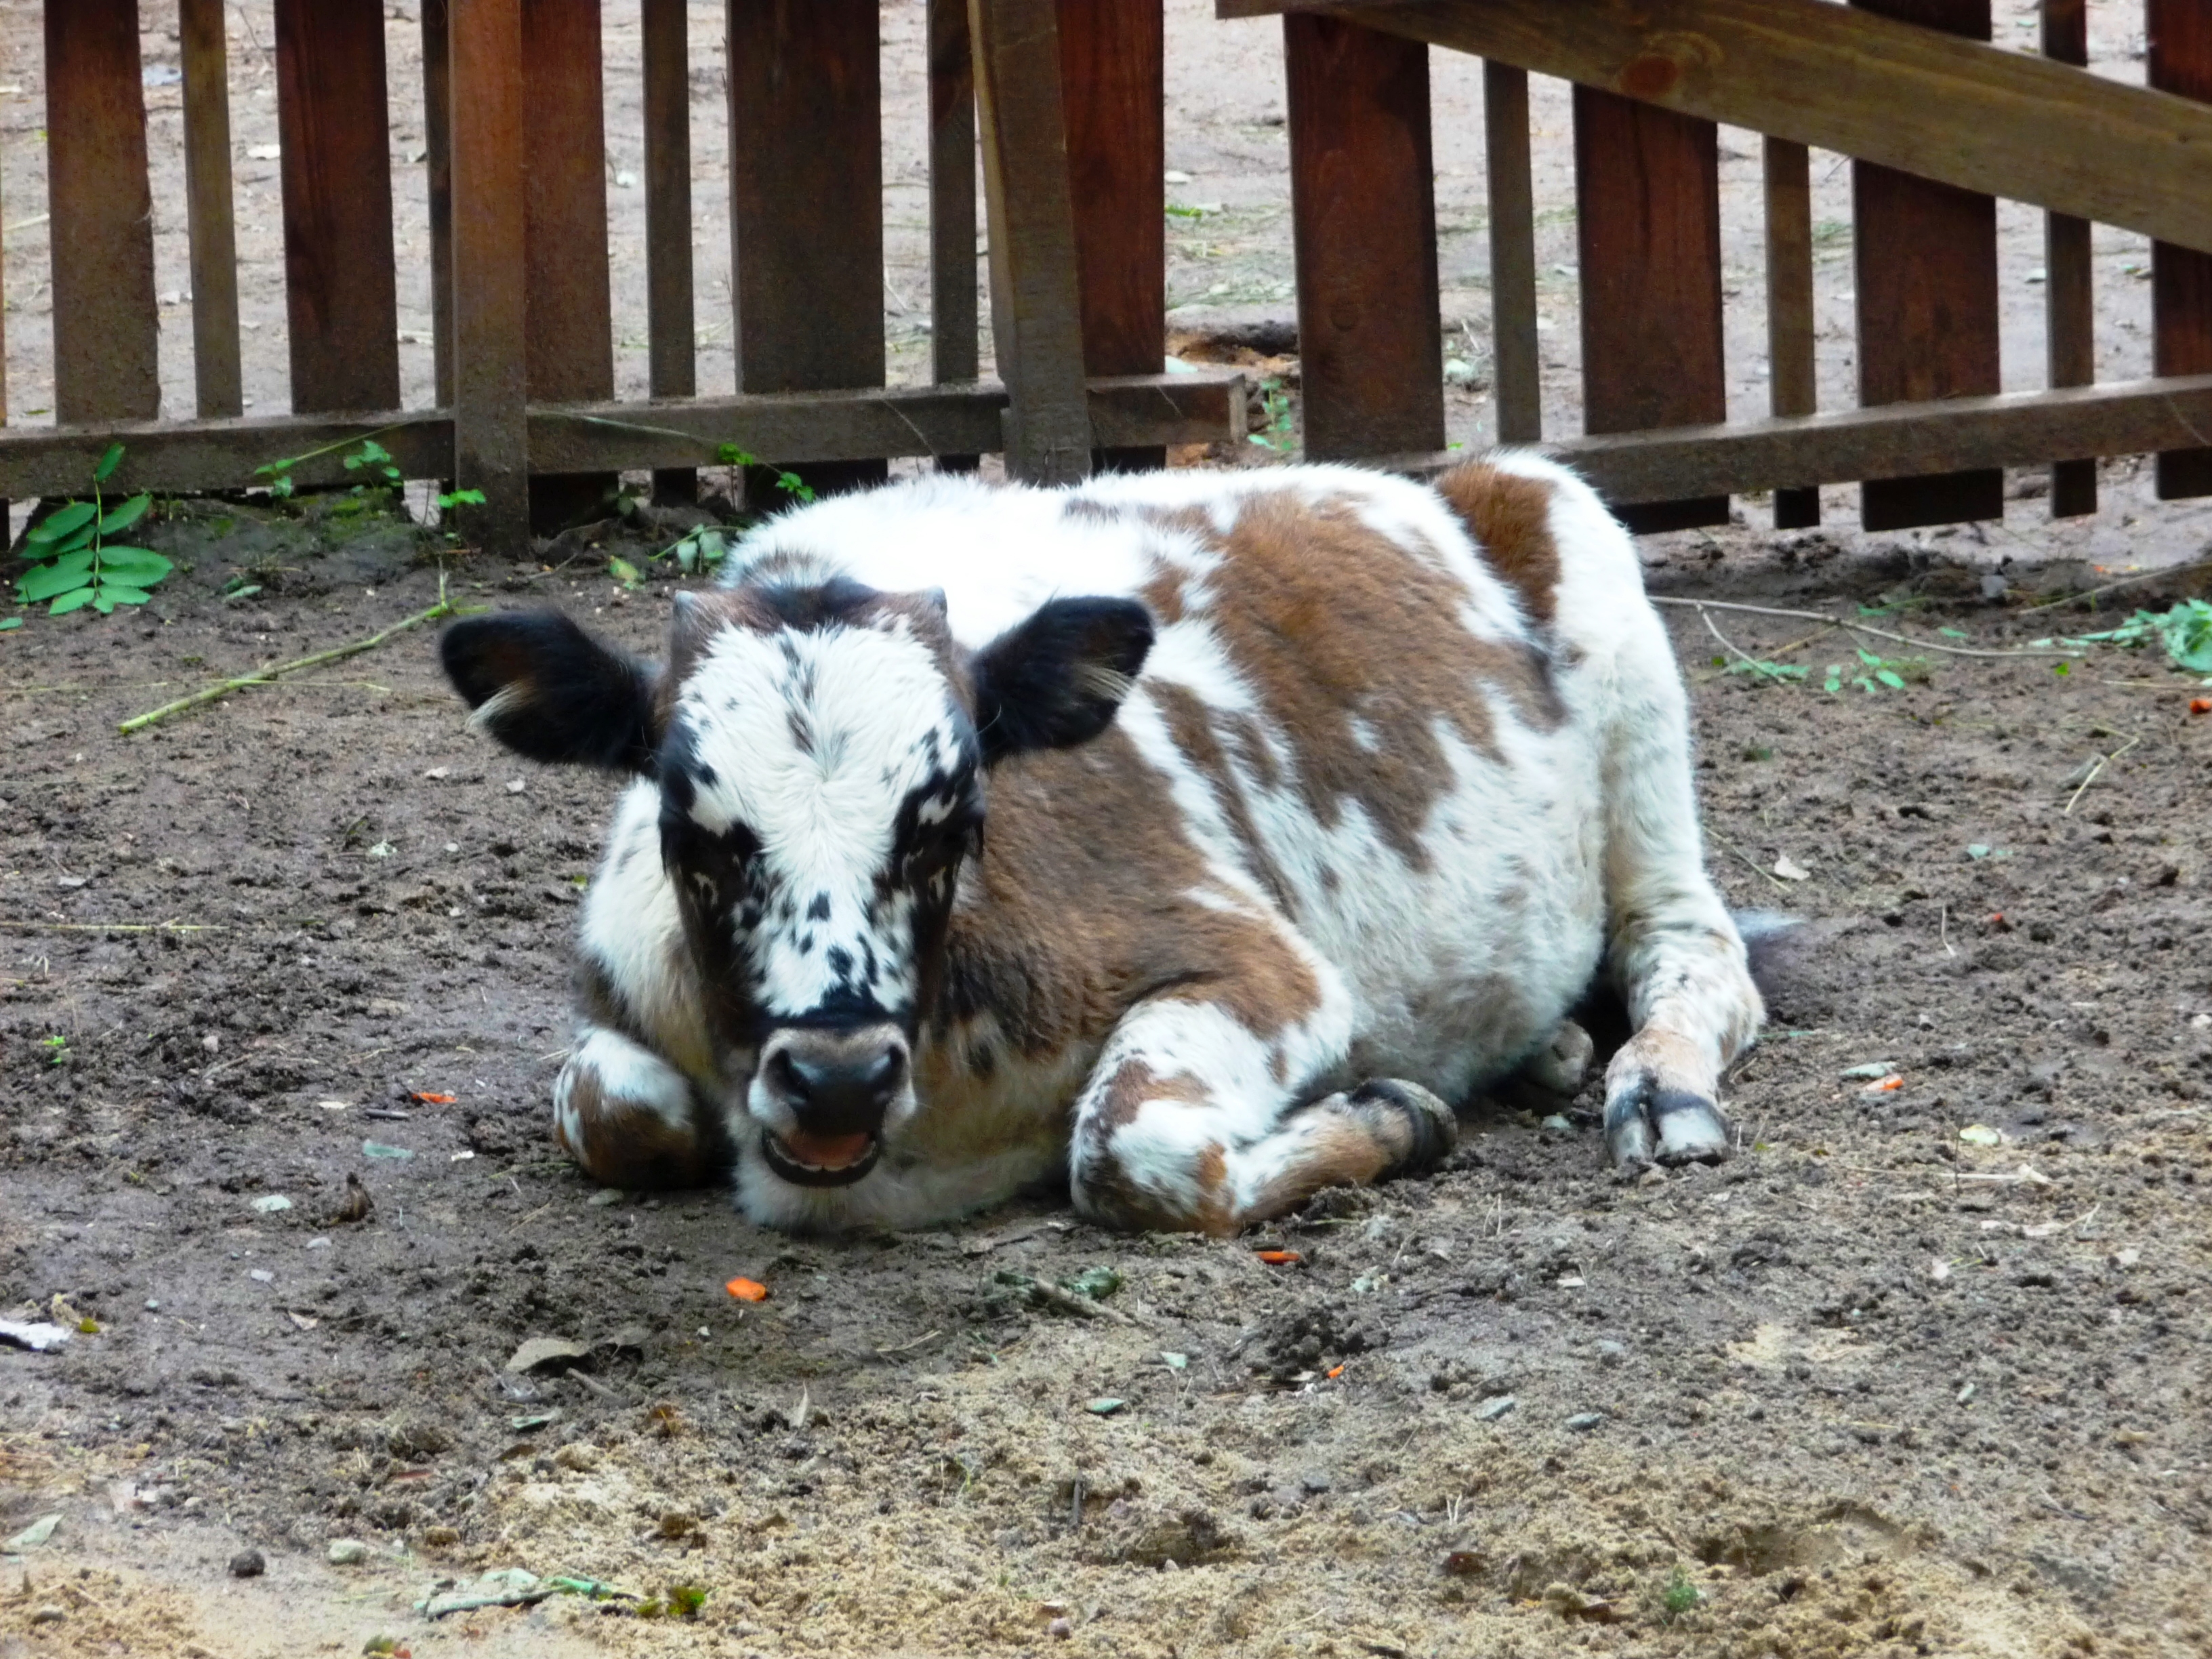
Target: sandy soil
(1870, 1388)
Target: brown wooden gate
(515, 134)
(1939, 123)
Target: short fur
(1396, 770)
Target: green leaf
(624, 572)
(6, 622)
(1952, 632)
(454, 498)
(141, 566)
(125, 515)
(2061, 669)
(49, 579)
(79, 538)
(75, 601)
(101, 602)
(108, 462)
(1889, 678)
(75, 516)
(731, 455)
(122, 595)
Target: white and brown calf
(1196, 836)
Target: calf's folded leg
(631, 1120)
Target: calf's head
(820, 752)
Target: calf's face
(821, 752)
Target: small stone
(1583, 1422)
(262, 1276)
(47, 1615)
(515, 786)
(212, 1042)
(1610, 1353)
(1175, 176)
(1994, 587)
(346, 1552)
(678, 1524)
(1315, 1481)
(547, 1354)
(605, 1197)
(1494, 1407)
(272, 1203)
(1557, 1124)
(247, 1563)
(1460, 372)
(440, 1537)
(1063, 1628)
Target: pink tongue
(828, 1151)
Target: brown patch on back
(1338, 629)
(1511, 517)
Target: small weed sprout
(2185, 631)
(57, 1048)
(1762, 670)
(1277, 422)
(1873, 673)
(75, 562)
(1679, 1597)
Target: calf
(1198, 837)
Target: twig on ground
(1729, 645)
(1847, 623)
(1943, 917)
(444, 608)
(2125, 581)
(1748, 858)
(2102, 762)
(113, 928)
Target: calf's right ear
(548, 690)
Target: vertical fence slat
(438, 182)
(1926, 267)
(1112, 75)
(1363, 223)
(1646, 183)
(2180, 42)
(568, 318)
(1516, 369)
(954, 346)
(673, 367)
(2070, 299)
(106, 332)
(217, 375)
(1793, 385)
(806, 212)
(1037, 321)
(341, 286)
(491, 426)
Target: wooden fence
(516, 159)
(1939, 121)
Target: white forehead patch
(812, 741)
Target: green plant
(788, 481)
(57, 1048)
(698, 551)
(2185, 631)
(454, 498)
(1277, 420)
(368, 454)
(1679, 1597)
(1782, 671)
(77, 565)
(1874, 673)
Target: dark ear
(1057, 678)
(547, 690)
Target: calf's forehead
(815, 739)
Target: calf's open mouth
(820, 1160)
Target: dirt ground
(1870, 1388)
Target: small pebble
(1583, 1422)
(1610, 1353)
(1494, 1407)
(605, 1197)
(153, 1304)
(1315, 1482)
(262, 1276)
(1062, 1628)
(347, 1552)
(47, 1616)
(247, 1563)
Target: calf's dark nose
(837, 1084)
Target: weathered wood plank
(2180, 34)
(183, 456)
(569, 316)
(1112, 60)
(1941, 106)
(106, 332)
(807, 214)
(954, 345)
(1036, 292)
(1648, 222)
(1926, 269)
(1516, 382)
(491, 450)
(218, 380)
(2020, 428)
(2070, 316)
(1793, 386)
(672, 326)
(437, 180)
(1363, 223)
(342, 292)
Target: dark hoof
(1429, 1130)
(1645, 1124)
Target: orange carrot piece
(1279, 1258)
(747, 1290)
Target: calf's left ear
(547, 690)
(1057, 680)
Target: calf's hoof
(1418, 1128)
(1646, 1124)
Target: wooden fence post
(340, 279)
(1362, 202)
(1112, 58)
(106, 332)
(1792, 360)
(569, 316)
(1927, 276)
(438, 169)
(2180, 34)
(1035, 294)
(806, 206)
(1517, 380)
(217, 376)
(1646, 183)
(491, 434)
(670, 326)
(954, 347)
